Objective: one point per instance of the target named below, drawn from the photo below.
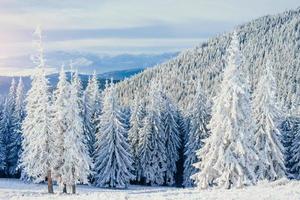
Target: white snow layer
(13, 189)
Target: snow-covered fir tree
(136, 124)
(228, 158)
(37, 156)
(172, 139)
(294, 162)
(7, 130)
(198, 131)
(91, 110)
(113, 160)
(267, 141)
(152, 143)
(76, 160)
(16, 132)
(292, 133)
(60, 124)
(183, 128)
(289, 128)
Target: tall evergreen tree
(183, 122)
(6, 130)
(267, 141)
(91, 110)
(227, 158)
(295, 152)
(152, 144)
(136, 124)
(76, 160)
(288, 129)
(171, 131)
(16, 133)
(199, 118)
(113, 160)
(61, 123)
(37, 156)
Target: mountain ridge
(53, 78)
(274, 38)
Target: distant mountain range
(53, 79)
(117, 67)
(87, 63)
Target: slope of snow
(13, 189)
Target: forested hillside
(225, 114)
(275, 39)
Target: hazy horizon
(117, 27)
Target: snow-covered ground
(280, 190)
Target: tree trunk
(74, 183)
(50, 184)
(65, 188)
(73, 189)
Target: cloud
(134, 13)
(119, 26)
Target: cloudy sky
(123, 26)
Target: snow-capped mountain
(272, 38)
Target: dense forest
(224, 114)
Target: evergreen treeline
(73, 135)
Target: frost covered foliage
(152, 143)
(274, 38)
(60, 122)
(154, 128)
(7, 134)
(113, 160)
(172, 139)
(16, 132)
(289, 128)
(91, 110)
(198, 131)
(74, 161)
(267, 141)
(37, 157)
(136, 124)
(294, 162)
(228, 158)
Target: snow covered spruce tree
(7, 130)
(198, 131)
(16, 133)
(76, 160)
(228, 157)
(267, 141)
(37, 156)
(91, 110)
(289, 130)
(152, 143)
(113, 160)
(60, 125)
(183, 122)
(136, 124)
(172, 139)
(295, 152)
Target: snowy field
(280, 190)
